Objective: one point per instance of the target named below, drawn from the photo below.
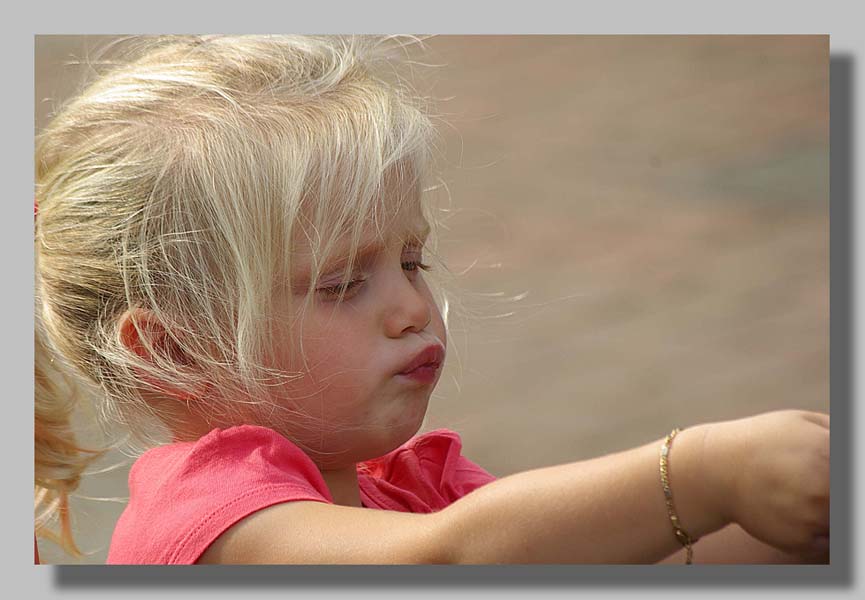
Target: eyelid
(335, 279)
(337, 274)
(341, 278)
(414, 245)
(344, 288)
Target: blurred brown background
(641, 224)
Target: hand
(773, 472)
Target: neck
(343, 485)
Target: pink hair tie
(35, 206)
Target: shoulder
(222, 462)
(184, 495)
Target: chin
(391, 438)
(375, 442)
(388, 437)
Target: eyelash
(414, 265)
(345, 288)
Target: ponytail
(59, 460)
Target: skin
(753, 490)
(349, 354)
(348, 404)
(604, 510)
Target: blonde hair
(59, 461)
(177, 183)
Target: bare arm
(769, 474)
(605, 510)
(608, 509)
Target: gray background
(663, 203)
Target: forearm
(605, 510)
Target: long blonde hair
(59, 460)
(178, 180)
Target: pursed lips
(432, 356)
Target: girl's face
(355, 401)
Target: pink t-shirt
(182, 496)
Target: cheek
(336, 353)
(333, 384)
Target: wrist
(717, 461)
(696, 478)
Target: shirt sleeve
(440, 456)
(184, 496)
(427, 473)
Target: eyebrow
(365, 250)
(374, 247)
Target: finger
(821, 419)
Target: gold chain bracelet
(681, 535)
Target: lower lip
(423, 374)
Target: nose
(407, 309)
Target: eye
(413, 260)
(345, 289)
(414, 265)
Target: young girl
(231, 243)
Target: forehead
(396, 218)
(358, 196)
(410, 227)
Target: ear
(145, 335)
(142, 333)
